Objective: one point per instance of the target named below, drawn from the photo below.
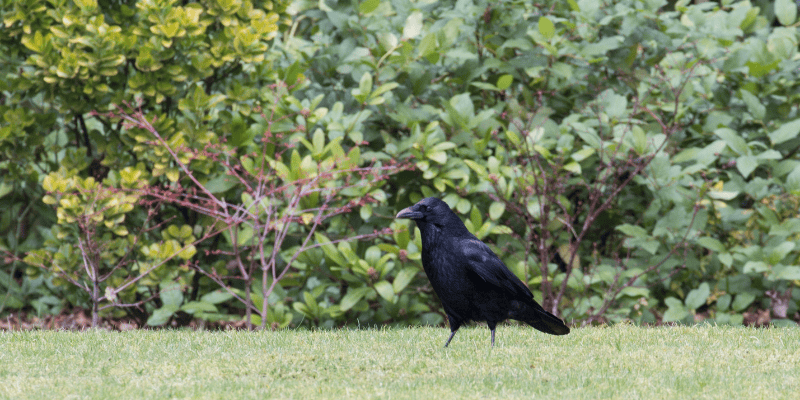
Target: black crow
(470, 280)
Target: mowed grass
(621, 362)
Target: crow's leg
(453, 328)
(492, 326)
(453, 333)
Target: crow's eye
(423, 207)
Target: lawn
(621, 362)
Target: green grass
(622, 362)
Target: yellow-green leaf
(368, 6)
(546, 27)
(504, 82)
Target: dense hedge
(628, 159)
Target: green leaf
(216, 297)
(783, 323)
(758, 69)
(746, 165)
(793, 181)
(198, 306)
(8, 282)
(428, 46)
(86, 3)
(726, 259)
(753, 104)
(302, 308)
(512, 137)
(634, 292)
(697, 297)
(457, 174)
(403, 278)
(188, 252)
(413, 26)
(485, 86)
(614, 104)
(780, 252)
(787, 131)
(496, 210)
(733, 140)
(639, 138)
(443, 146)
(479, 169)
(602, 47)
(573, 5)
(364, 88)
(221, 183)
(722, 195)
(438, 156)
(790, 273)
(34, 43)
(365, 212)
(330, 250)
(583, 154)
(463, 206)
(463, 105)
(742, 301)
(179, 232)
(723, 302)
(353, 296)
(711, 244)
(384, 88)
(5, 189)
(475, 218)
(546, 28)
(318, 141)
(171, 294)
(385, 289)
(309, 299)
(372, 255)
(755, 266)
(504, 82)
(676, 310)
(161, 315)
(786, 11)
(573, 167)
(751, 16)
(633, 231)
(402, 236)
(590, 138)
(368, 6)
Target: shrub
(629, 160)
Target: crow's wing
(482, 261)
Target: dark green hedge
(630, 160)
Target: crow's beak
(409, 213)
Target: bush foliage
(220, 160)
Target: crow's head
(429, 209)
(433, 215)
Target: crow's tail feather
(540, 319)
